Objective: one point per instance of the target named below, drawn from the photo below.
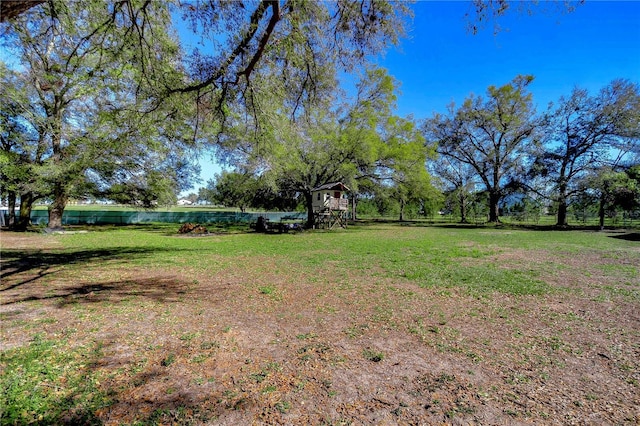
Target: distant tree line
(585, 148)
(498, 156)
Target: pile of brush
(192, 228)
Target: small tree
(233, 189)
(479, 207)
(403, 165)
(615, 190)
(457, 181)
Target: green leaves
(583, 134)
(91, 69)
(491, 136)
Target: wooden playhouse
(330, 205)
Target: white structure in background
(330, 205)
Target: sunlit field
(381, 323)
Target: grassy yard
(377, 324)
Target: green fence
(79, 217)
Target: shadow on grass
(632, 236)
(156, 289)
(430, 223)
(37, 264)
(165, 229)
(522, 226)
(420, 223)
(30, 372)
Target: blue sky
(441, 62)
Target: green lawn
(140, 325)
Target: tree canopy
(351, 143)
(582, 133)
(111, 78)
(491, 136)
(106, 99)
(81, 108)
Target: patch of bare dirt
(27, 240)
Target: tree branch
(275, 17)
(11, 9)
(256, 17)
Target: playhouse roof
(335, 186)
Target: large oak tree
(493, 136)
(84, 85)
(582, 134)
(354, 142)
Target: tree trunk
(601, 212)
(463, 209)
(56, 209)
(562, 207)
(402, 203)
(26, 203)
(494, 212)
(308, 199)
(60, 196)
(562, 213)
(11, 202)
(354, 204)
